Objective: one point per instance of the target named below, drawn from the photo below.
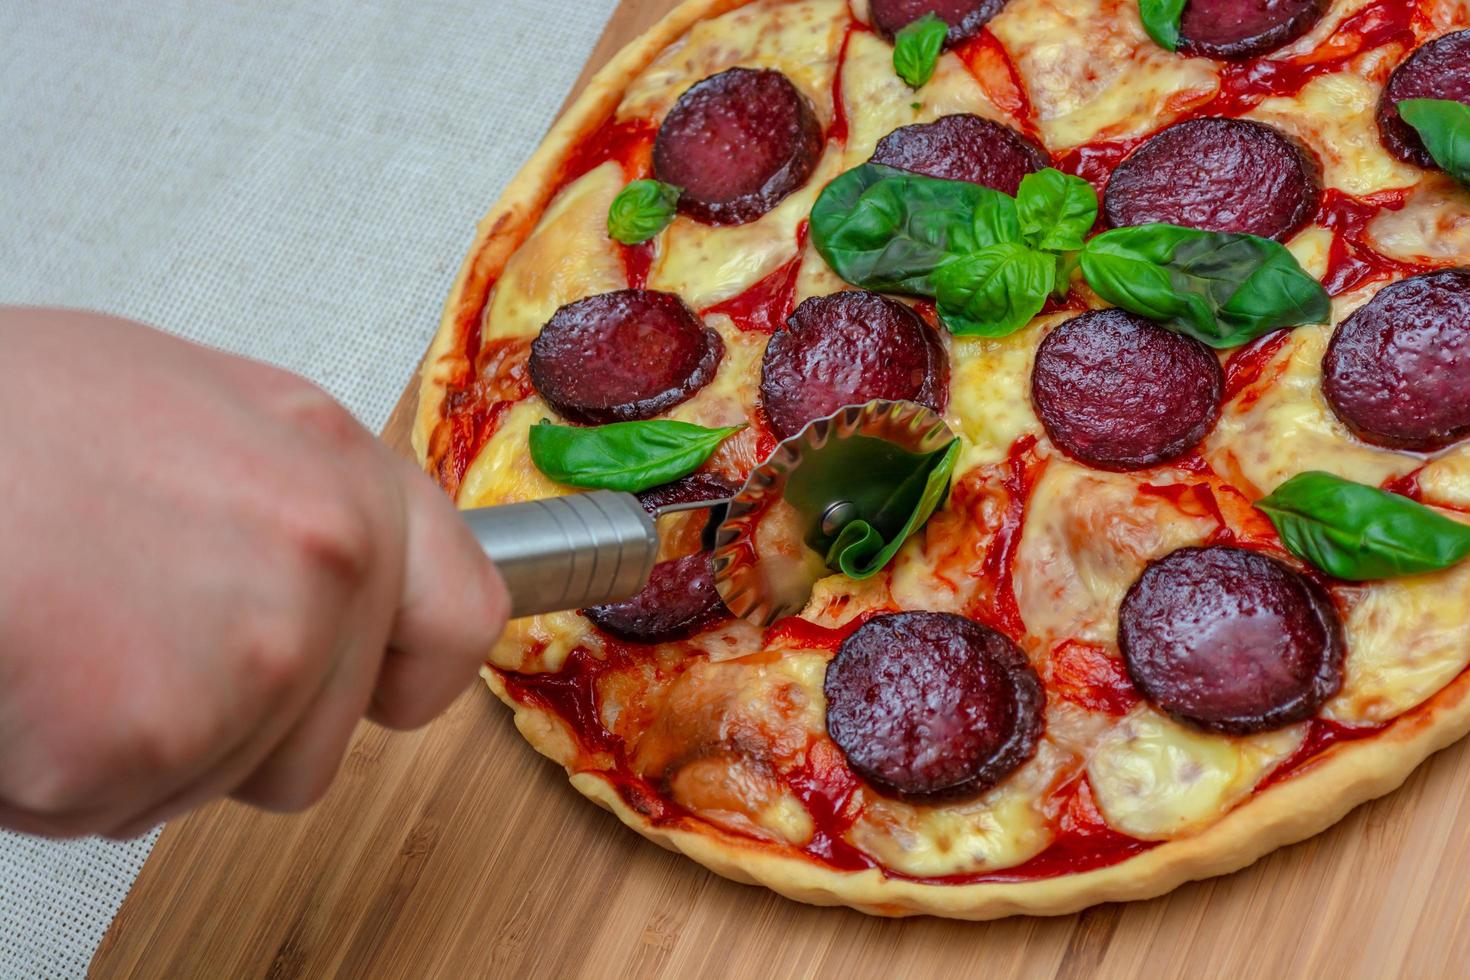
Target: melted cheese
(724, 729)
(1092, 72)
(1001, 829)
(801, 39)
(503, 473)
(1406, 638)
(568, 257)
(1155, 779)
(1333, 115)
(886, 102)
(707, 265)
(990, 391)
(1261, 442)
(1433, 226)
(1088, 538)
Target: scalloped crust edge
(1292, 810)
(1295, 809)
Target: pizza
(1191, 292)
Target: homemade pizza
(1188, 281)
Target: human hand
(211, 573)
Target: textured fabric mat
(295, 180)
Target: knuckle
(334, 538)
(322, 415)
(276, 660)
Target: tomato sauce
(629, 142)
(1245, 366)
(839, 129)
(795, 633)
(1017, 477)
(1095, 162)
(991, 65)
(1087, 676)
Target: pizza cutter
(591, 548)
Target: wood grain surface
(457, 851)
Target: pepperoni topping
(848, 349)
(1245, 28)
(930, 706)
(964, 17)
(1119, 392)
(622, 356)
(964, 147)
(1230, 640)
(1398, 370)
(679, 600)
(737, 143)
(695, 488)
(1219, 175)
(1438, 70)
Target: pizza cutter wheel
(592, 548)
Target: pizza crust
(1291, 810)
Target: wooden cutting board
(457, 851)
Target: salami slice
(847, 349)
(679, 601)
(1119, 392)
(1230, 640)
(1219, 175)
(964, 147)
(1438, 70)
(1397, 371)
(622, 356)
(737, 143)
(695, 488)
(930, 706)
(964, 17)
(1233, 29)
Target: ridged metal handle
(568, 552)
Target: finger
(453, 607)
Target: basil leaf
(1056, 210)
(888, 230)
(629, 456)
(996, 291)
(1223, 289)
(1445, 128)
(916, 50)
(641, 210)
(1161, 20)
(1359, 533)
(898, 493)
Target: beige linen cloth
(294, 180)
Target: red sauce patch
(795, 633)
(1016, 477)
(630, 143)
(1352, 262)
(1085, 675)
(638, 260)
(1095, 162)
(1247, 364)
(991, 65)
(827, 788)
(571, 694)
(1406, 485)
(839, 128)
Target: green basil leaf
(629, 456)
(888, 230)
(996, 291)
(1161, 20)
(1223, 289)
(916, 50)
(641, 210)
(1360, 533)
(1445, 128)
(898, 493)
(1056, 210)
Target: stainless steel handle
(568, 552)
